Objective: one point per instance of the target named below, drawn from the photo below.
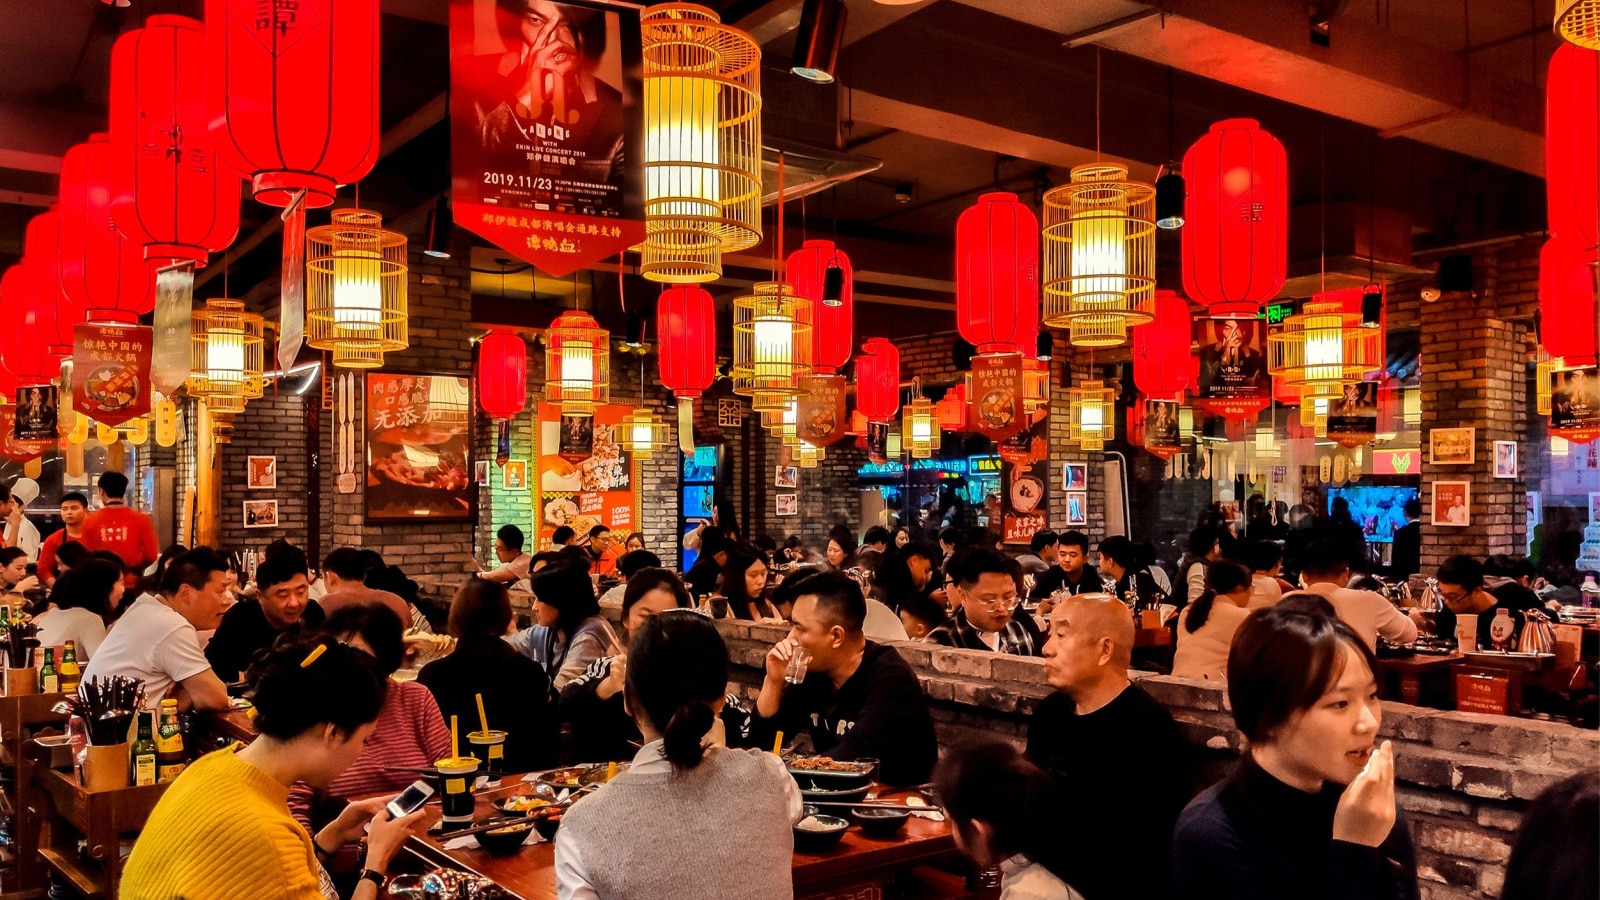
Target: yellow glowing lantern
(1544, 369)
(771, 343)
(226, 354)
(1266, 442)
(1185, 423)
(1323, 347)
(1559, 446)
(702, 151)
(1090, 416)
(919, 429)
(1099, 259)
(807, 455)
(165, 414)
(893, 446)
(643, 432)
(356, 289)
(1035, 385)
(1578, 21)
(577, 364)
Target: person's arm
(384, 839)
(149, 550)
(1394, 625)
(47, 559)
(587, 647)
(572, 878)
(770, 699)
(502, 574)
(205, 691)
(1196, 581)
(432, 734)
(179, 656)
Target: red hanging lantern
(1236, 218)
(1284, 393)
(1572, 147)
(1566, 303)
(53, 316)
(169, 191)
(294, 93)
(822, 273)
(102, 272)
(878, 380)
(21, 351)
(1161, 349)
(952, 410)
(1135, 411)
(686, 329)
(997, 275)
(502, 374)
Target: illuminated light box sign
(1397, 462)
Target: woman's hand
(389, 835)
(616, 677)
(1366, 811)
(349, 826)
(26, 585)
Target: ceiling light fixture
(441, 227)
(816, 46)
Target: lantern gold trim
(702, 152)
(1578, 22)
(1091, 411)
(577, 364)
(356, 289)
(919, 429)
(226, 354)
(771, 342)
(1324, 346)
(807, 455)
(643, 432)
(1544, 369)
(1099, 255)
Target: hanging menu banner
(996, 400)
(18, 451)
(1161, 435)
(1024, 491)
(1353, 416)
(547, 128)
(820, 418)
(1575, 404)
(1233, 380)
(111, 372)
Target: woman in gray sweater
(690, 817)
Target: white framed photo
(260, 473)
(1077, 508)
(1505, 459)
(1452, 503)
(261, 514)
(788, 505)
(1074, 476)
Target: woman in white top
(82, 599)
(1005, 812)
(1266, 567)
(1206, 626)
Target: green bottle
(49, 681)
(5, 617)
(144, 751)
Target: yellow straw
(311, 657)
(611, 771)
(777, 744)
(455, 745)
(482, 719)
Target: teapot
(1538, 636)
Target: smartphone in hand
(410, 800)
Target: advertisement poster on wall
(547, 128)
(997, 395)
(601, 488)
(1161, 434)
(820, 417)
(1575, 404)
(419, 447)
(1233, 379)
(1024, 488)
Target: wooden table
(1421, 679)
(102, 818)
(858, 867)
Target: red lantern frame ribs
(294, 94)
(686, 330)
(169, 191)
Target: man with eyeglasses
(1464, 592)
(986, 595)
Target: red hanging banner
(12, 448)
(997, 395)
(1233, 380)
(111, 372)
(547, 129)
(821, 419)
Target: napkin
(470, 842)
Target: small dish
(880, 821)
(507, 840)
(816, 833)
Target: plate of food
(826, 769)
(580, 776)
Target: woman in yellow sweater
(223, 830)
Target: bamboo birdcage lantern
(702, 152)
(1323, 347)
(1185, 423)
(1099, 255)
(577, 364)
(1544, 369)
(356, 289)
(807, 455)
(1090, 418)
(1578, 22)
(227, 347)
(643, 432)
(1035, 385)
(771, 345)
(919, 428)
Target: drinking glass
(796, 671)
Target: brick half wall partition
(1463, 779)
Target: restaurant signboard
(547, 129)
(1233, 380)
(419, 447)
(1024, 487)
(111, 372)
(587, 479)
(821, 418)
(1575, 404)
(996, 398)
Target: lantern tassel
(169, 358)
(686, 425)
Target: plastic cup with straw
(456, 775)
(487, 744)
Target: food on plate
(826, 764)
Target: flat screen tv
(1379, 510)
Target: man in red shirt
(74, 511)
(121, 529)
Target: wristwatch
(379, 879)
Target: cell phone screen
(410, 800)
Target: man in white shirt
(1325, 573)
(1266, 564)
(20, 532)
(156, 641)
(514, 563)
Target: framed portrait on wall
(260, 473)
(261, 514)
(1452, 503)
(1505, 459)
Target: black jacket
(1252, 837)
(244, 631)
(1055, 579)
(516, 699)
(878, 713)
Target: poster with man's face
(547, 127)
(36, 413)
(1575, 399)
(1161, 424)
(1355, 411)
(1233, 359)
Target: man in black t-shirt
(282, 605)
(1111, 748)
(857, 700)
(1071, 571)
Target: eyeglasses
(1453, 596)
(997, 602)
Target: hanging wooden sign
(111, 372)
(821, 418)
(996, 396)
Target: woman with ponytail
(1207, 624)
(690, 817)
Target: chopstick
(505, 822)
(877, 804)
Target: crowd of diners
(1099, 802)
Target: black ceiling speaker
(1045, 346)
(439, 231)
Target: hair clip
(311, 657)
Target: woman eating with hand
(1310, 811)
(223, 830)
